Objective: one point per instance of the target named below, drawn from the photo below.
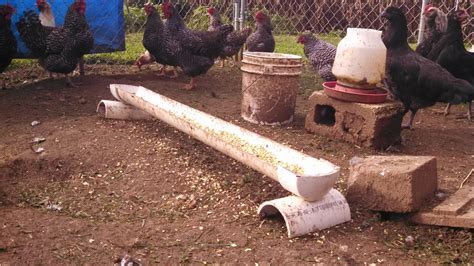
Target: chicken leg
(161, 71)
(175, 73)
(81, 66)
(409, 125)
(232, 62)
(469, 111)
(69, 82)
(446, 110)
(191, 85)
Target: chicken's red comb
(259, 15)
(211, 10)
(428, 8)
(166, 5)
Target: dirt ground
(105, 188)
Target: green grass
(133, 49)
(284, 44)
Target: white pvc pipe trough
(119, 110)
(307, 177)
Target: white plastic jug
(360, 59)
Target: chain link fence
(289, 17)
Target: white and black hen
(261, 40)
(320, 54)
(194, 51)
(234, 41)
(436, 23)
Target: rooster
(436, 24)
(193, 51)
(7, 40)
(415, 80)
(234, 41)
(320, 54)
(451, 54)
(58, 49)
(46, 15)
(261, 40)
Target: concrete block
(369, 125)
(392, 183)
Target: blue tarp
(105, 18)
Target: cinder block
(392, 183)
(369, 125)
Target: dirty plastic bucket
(269, 86)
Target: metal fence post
(236, 22)
(236, 14)
(421, 29)
(243, 9)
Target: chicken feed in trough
(316, 206)
(359, 67)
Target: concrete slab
(456, 211)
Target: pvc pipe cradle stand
(309, 178)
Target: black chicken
(7, 40)
(435, 26)
(193, 51)
(416, 81)
(234, 41)
(320, 54)
(261, 40)
(58, 49)
(157, 46)
(451, 54)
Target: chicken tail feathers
(32, 32)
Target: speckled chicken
(320, 54)
(158, 48)
(234, 41)
(58, 49)
(451, 53)
(7, 40)
(413, 79)
(193, 51)
(435, 25)
(261, 40)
